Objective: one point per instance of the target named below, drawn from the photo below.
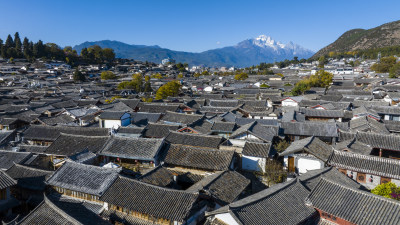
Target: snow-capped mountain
(276, 48)
(264, 41)
(246, 53)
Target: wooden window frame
(361, 180)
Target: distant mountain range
(246, 53)
(386, 35)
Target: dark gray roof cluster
(322, 113)
(353, 205)
(50, 133)
(270, 206)
(29, 177)
(157, 130)
(62, 212)
(224, 186)
(318, 129)
(375, 165)
(208, 141)
(264, 132)
(155, 201)
(88, 179)
(132, 148)
(257, 149)
(8, 158)
(6, 181)
(179, 118)
(69, 144)
(312, 145)
(200, 158)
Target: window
(385, 180)
(361, 178)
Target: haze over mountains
(246, 53)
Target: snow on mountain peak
(267, 41)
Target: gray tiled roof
(68, 144)
(132, 148)
(50, 133)
(312, 177)
(200, 158)
(318, 129)
(158, 107)
(352, 205)
(8, 158)
(209, 141)
(256, 149)
(225, 187)
(155, 201)
(157, 130)
(6, 181)
(296, 146)
(377, 140)
(112, 115)
(264, 132)
(28, 177)
(62, 212)
(270, 206)
(224, 126)
(322, 113)
(375, 165)
(312, 145)
(159, 176)
(181, 118)
(88, 179)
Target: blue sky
(189, 25)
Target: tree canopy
(241, 76)
(319, 79)
(387, 190)
(108, 75)
(384, 65)
(14, 48)
(78, 76)
(169, 89)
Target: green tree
(241, 76)
(147, 78)
(205, 72)
(27, 51)
(264, 86)
(78, 76)
(319, 79)
(387, 190)
(384, 65)
(322, 61)
(9, 42)
(2, 49)
(169, 89)
(108, 54)
(137, 81)
(300, 87)
(281, 146)
(108, 75)
(272, 173)
(18, 44)
(157, 76)
(126, 85)
(394, 71)
(147, 87)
